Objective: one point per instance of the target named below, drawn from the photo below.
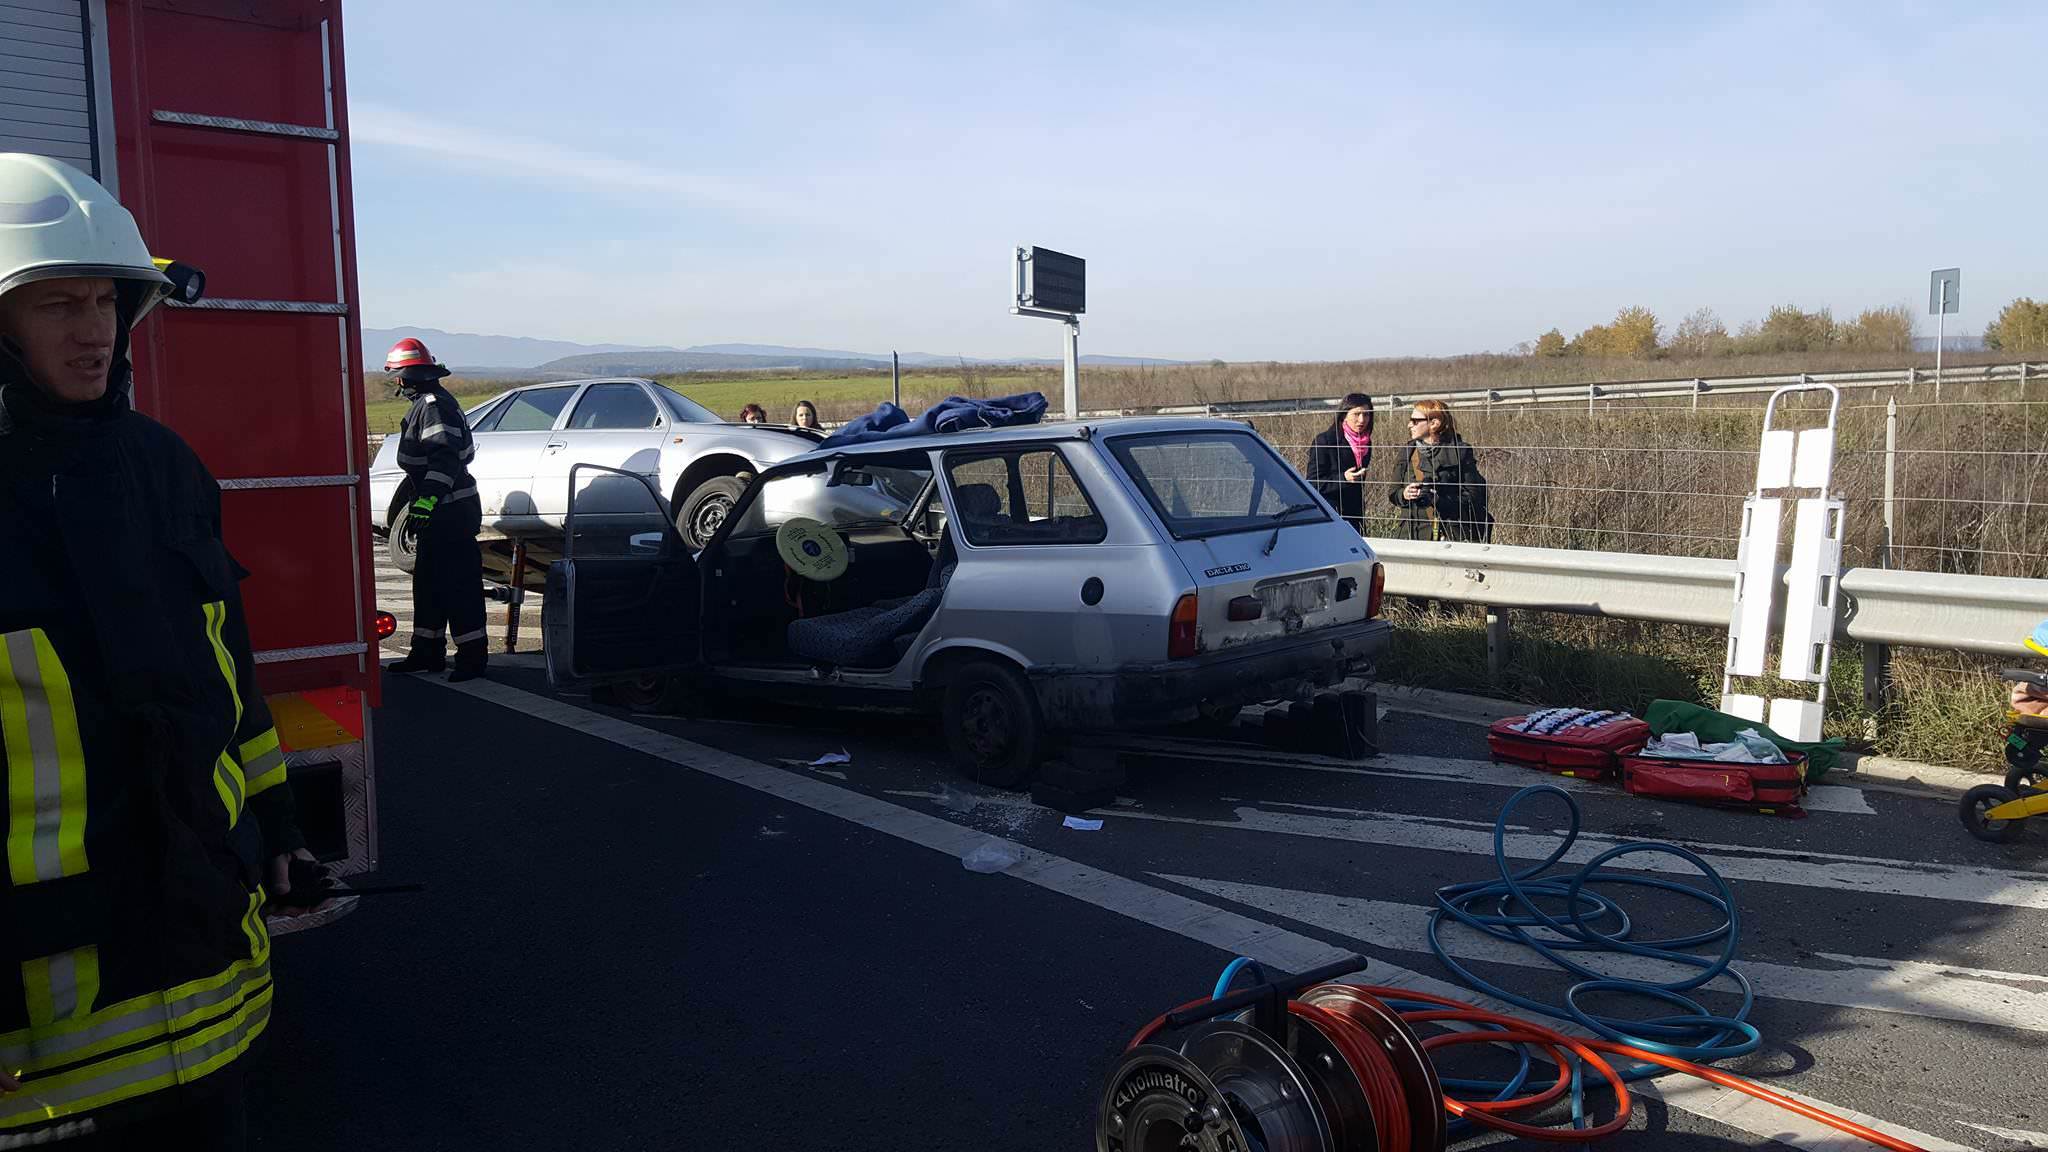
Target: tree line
(1636, 333)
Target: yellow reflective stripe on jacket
(45, 762)
(216, 618)
(262, 762)
(232, 787)
(151, 1069)
(61, 987)
(147, 1017)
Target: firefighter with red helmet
(434, 449)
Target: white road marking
(1830, 870)
(2017, 1135)
(1819, 798)
(1969, 996)
(1170, 911)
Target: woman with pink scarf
(1338, 456)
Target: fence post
(1912, 377)
(1877, 685)
(1891, 475)
(1496, 643)
(1696, 393)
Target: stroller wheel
(1981, 799)
(2024, 780)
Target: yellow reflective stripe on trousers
(61, 987)
(151, 1069)
(262, 762)
(45, 762)
(147, 1017)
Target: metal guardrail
(1982, 614)
(2019, 373)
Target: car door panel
(591, 435)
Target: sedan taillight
(1180, 630)
(1378, 593)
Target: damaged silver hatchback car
(1019, 582)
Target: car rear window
(1210, 483)
(533, 410)
(1026, 496)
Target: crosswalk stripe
(1830, 870)
(1819, 798)
(1913, 988)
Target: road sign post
(1054, 286)
(1944, 295)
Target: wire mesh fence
(1968, 472)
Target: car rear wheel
(704, 510)
(403, 543)
(992, 724)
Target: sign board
(1944, 291)
(1054, 282)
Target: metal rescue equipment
(1788, 461)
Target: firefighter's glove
(423, 510)
(310, 884)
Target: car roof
(1028, 433)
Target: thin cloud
(532, 158)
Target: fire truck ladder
(329, 138)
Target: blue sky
(1246, 181)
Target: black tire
(403, 544)
(2024, 780)
(645, 693)
(704, 510)
(1981, 799)
(992, 724)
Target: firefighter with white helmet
(147, 803)
(434, 449)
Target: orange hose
(1381, 1082)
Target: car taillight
(1180, 632)
(1379, 588)
(386, 625)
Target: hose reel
(1297, 1065)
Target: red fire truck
(223, 125)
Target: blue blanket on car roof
(953, 414)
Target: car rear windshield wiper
(1273, 541)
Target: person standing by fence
(1439, 489)
(1339, 455)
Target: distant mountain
(528, 357)
(471, 352)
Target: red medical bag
(1568, 741)
(1776, 787)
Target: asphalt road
(656, 931)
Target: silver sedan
(527, 440)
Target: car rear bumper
(1172, 691)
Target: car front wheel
(704, 510)
(992, 724)
(403, 542)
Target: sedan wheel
(704, 510)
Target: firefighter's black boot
(469, 662)
(426, 656)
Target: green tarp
(1665, 716)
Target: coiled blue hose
(1508, 909)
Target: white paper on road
(1082, 824)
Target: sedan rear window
(1210, 483)
(533, 410)
(683, 408)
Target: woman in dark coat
(1338, 455)
(1438, 488)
